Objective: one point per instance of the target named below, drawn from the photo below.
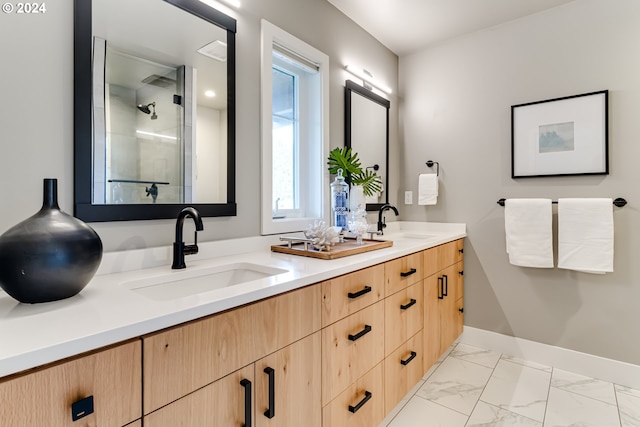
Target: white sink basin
(182, 283)
(407, 235)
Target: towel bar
(619, 202)
(430, 163)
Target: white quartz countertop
(107, 311)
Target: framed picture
(562, 136)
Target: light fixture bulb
(367, 78)
(209, 93)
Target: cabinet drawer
(220, 404)
(347, 294)
(404, 313)
(442, 256)
(402, 272)
(361, 405)
(402, 371)
(351, 347)
(45, 397)
(185, 358)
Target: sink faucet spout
(179, 248)
(381, 221)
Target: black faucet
(381, 221)
(179, 248)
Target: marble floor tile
(566, 409)
(519, 389)
(627, 390)
(629, 406)
(431, 371)
(485, 415)
(585, 386)
(527, 363)
(424, 413)
(477, 355)
(456, 384)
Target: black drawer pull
(271, 411)
(446, 285)
(461, 250)
(365, 399)
(247, 401)
(82, 408)
(407, 361)
(408, 273)
(409, 304)
(440, 288)
(364, 290)
(360, 334)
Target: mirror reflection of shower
(145, 109)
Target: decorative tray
(339, 250)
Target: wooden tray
(339, 250)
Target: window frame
(271, 34)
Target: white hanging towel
(527, 224)
(428, 189)
(585, 235)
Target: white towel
(428, 189)
(585, 235)
(527, 224)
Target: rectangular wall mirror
(154, 109)
(367, 133)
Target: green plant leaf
(347, 160)
(369, 180)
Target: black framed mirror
(115, 185)
(367, 133)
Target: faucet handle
(191, 249)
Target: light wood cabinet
(403, 368)
(360, 405)
(185, 358)
(344, 295)
(444, 300)
(403, 313)
(402, 272)
(108, 381)
(288, 386)
(351, 347)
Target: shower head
(145, 109)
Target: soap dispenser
(340, 201)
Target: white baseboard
(614, 371)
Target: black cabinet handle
(440, 288)
(461, 310)
(407, 361)
(408, 273)
(365, 399)
(271, 411)
(247, 401)
(461, 272)
(81, 408)
(409, 304)
(360, 334)
(461, 250)
(446, 285)
(364, 290)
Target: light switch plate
(408, 197)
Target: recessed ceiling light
(210, 93)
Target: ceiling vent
(216, 50)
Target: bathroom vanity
(313, 342)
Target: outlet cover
(408, 197)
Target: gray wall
(455, 109)
(36, 112)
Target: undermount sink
(179, 284)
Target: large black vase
(49, 256)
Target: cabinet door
(450, 316)
(187, 357)
(402, 272)
(350, 348)
(227, 402)
(431, 330)
(360, 405)
(403, 313)
(288, 386)
(45, 397)
(402, 370)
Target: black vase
(49, 256)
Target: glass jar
(340, 201)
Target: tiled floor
(475, 387)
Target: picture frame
(561, 136)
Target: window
(294, 132)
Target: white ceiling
(406, 26)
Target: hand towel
(585, 235)
(428, 189)
(527, 224)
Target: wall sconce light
(222, 4)
(367, 79)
